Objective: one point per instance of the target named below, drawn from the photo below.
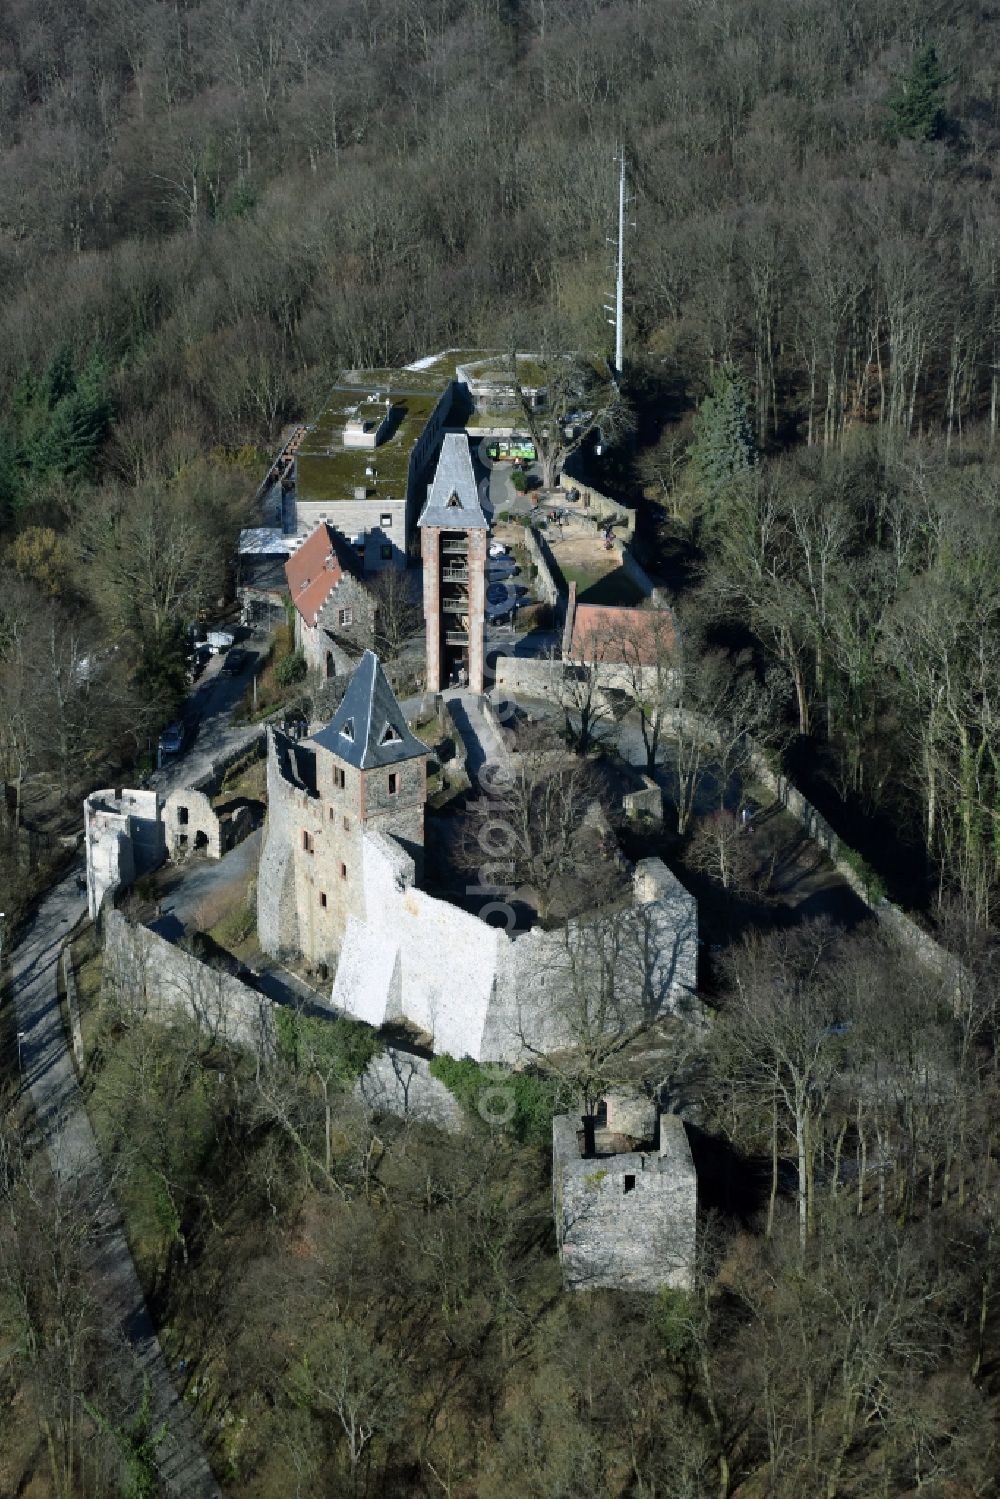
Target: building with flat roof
(361, 465)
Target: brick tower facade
(454, 536)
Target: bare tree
(564, 399)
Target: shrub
(291, 670)
(530, 1100)
(339, 1044)
(873, 882)
(236, 927)
(519, 480)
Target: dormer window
(347, 731)
(454, 503)
(391, 735)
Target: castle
(339, 884)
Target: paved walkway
(72, 1148)
(482, 743)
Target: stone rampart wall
(477, 991)
(149, 976)
(545, 582)
(528, 676)
(277, 915)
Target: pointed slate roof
(453, 502)
(369, 729)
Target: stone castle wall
(477, 991)
(149, 976)
(123, 838)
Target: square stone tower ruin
(625, 1196)
(454, 534)
(364, 771)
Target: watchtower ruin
(625, 1197)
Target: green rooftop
(328, 471)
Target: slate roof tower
(454, 534)
(364, 772)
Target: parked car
(235, 662)
(172, 739)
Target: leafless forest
(207, 209)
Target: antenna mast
(620, 289)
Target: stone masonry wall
(148, 976)
(123, 837)
(528, 676)
(539, 553)
(277, 914)
(625, 1221)
(478, 992)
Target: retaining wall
(72, 1008)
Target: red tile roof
(313, 572)
(602, 632)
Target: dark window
(307, 841)
(331, 814)
(602, 1114)
(182, 840)
(629, 1184)
(393, 782)
(339, 779)
(386, 551)
(346, 617)
(347, 824)
(182, 815)
(322, 899)
(343, 871)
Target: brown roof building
(314, 571)
(334, 612)
(602, 632)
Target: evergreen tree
(915, 106)
(723, 448)
(64, 426)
